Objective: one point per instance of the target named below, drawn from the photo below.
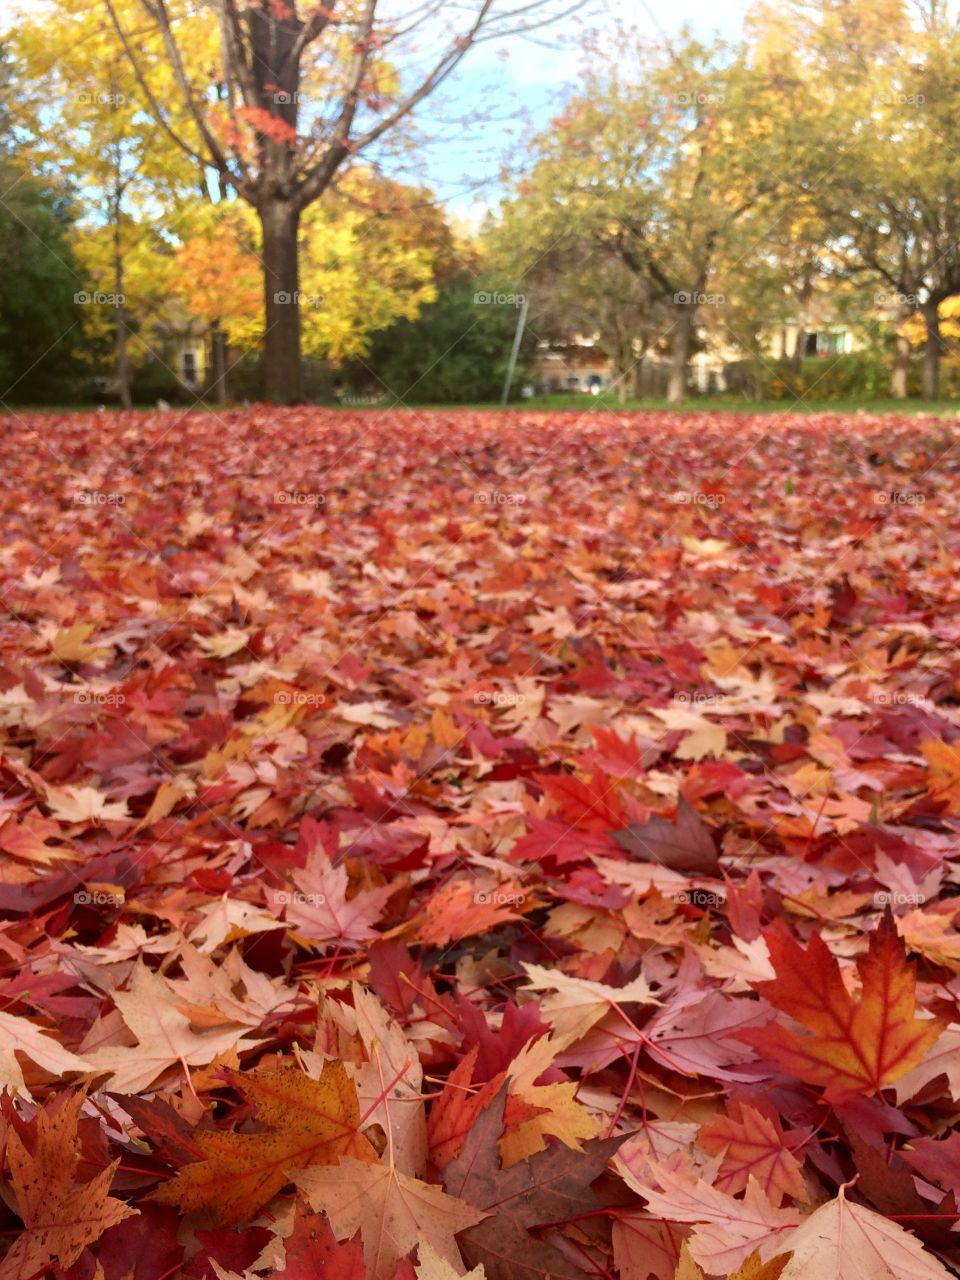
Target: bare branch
(218, 159)
(148, 93)
(318, 178)
(235, 53)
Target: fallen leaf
(393, 1212)
(60, 1218)
(312, 1122)
(844, 1241)
(552, 1186)
(432, 1267)
(754, 1145)
(19, 1035)
(164, 1035)
(683, 845)
(849, 1046)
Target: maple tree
(657, 180)
(272, 103)
(399, 882)
(893, 226)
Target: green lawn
(594, 404)
(716, 404)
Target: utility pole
(521, 322)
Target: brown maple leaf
(60, 1217)
(552, 1186)
(683, 845)
(312, 1122)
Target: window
(189, 367)
(830, 344)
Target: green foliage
(456, 351)
(39, 319)
(861, 376)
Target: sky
(516, 89)
(513, 89)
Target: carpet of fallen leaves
(492, 844)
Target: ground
(411, 817)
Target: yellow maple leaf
(70, 644)
(311, 1122)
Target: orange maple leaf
(60, 1218)
(754, 1145)
(943, 765)
(314, 1122)
(850, 1046)
(456, 1109)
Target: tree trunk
(794, 361)
(219, 391)
(680, 352)
(281, 341)
(901, 364)
(636, 375)
(623, 364)
(931, 352)
(123, 363)
(120, 343)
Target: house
(181, 349)
(825, 340)
(577, 364)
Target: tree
(295, 98)
(570, 260)
(369, 255)
(454, 352)
(39, 285)
(39, 279)
(217, 280)
(77, 105)
(663, 163)
(887, 93)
